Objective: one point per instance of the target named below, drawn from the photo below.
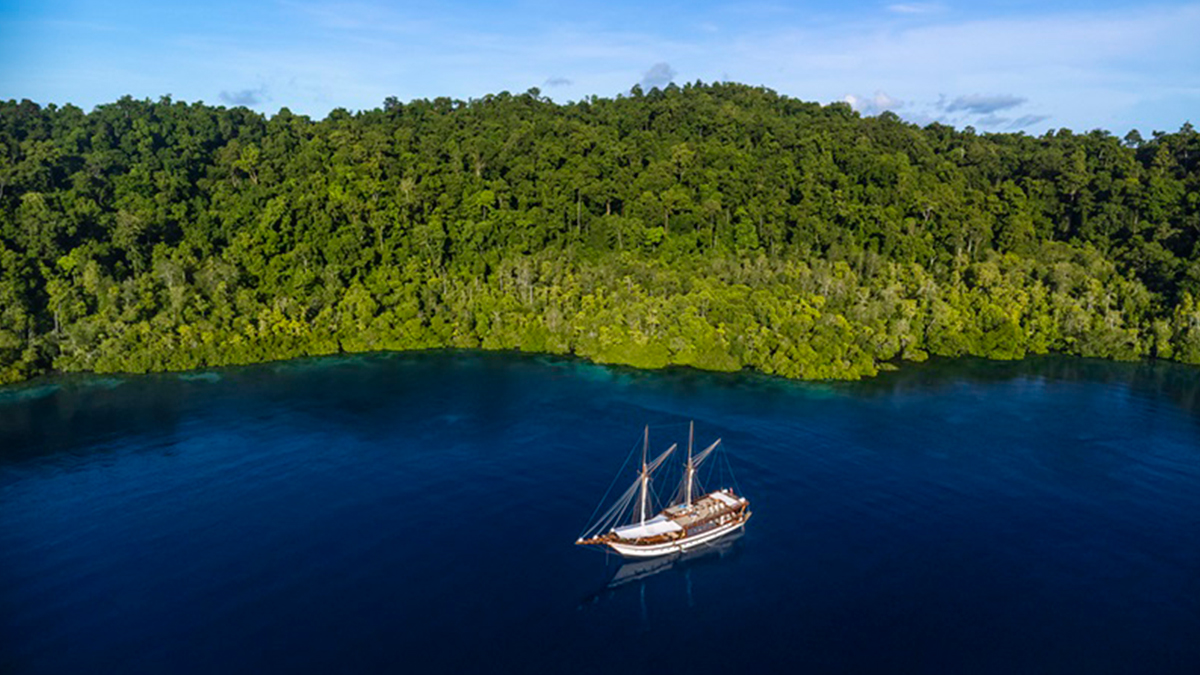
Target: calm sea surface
(417, 513)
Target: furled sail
(703, 454)
(614, 515)
(660, 459)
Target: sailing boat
(686, 523)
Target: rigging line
(615, 513)
(677, 497)
(655, 500)
(708, 476)
(732, 476)
(610, 486)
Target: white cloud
(874, 104)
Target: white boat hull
(677, 546)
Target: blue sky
(999, 66)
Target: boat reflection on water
(633, 571)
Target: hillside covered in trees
(719, 226)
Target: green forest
(719, 226)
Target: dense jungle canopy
(719, 226)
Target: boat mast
(645, 475)
(690, 469)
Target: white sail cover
(659, 524)
(726, 499)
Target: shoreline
(54, 380)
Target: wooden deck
(703, 511)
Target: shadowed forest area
(720, 226)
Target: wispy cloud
(992, 121)
(915, 8)
(659, 75)
(245, 97)
(1088, 70)
(984, 104)
(1078, 67)
(1132, 65)
(1022, 123)
(1027, 121)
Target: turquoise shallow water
(416, 513)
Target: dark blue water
(416, 513)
